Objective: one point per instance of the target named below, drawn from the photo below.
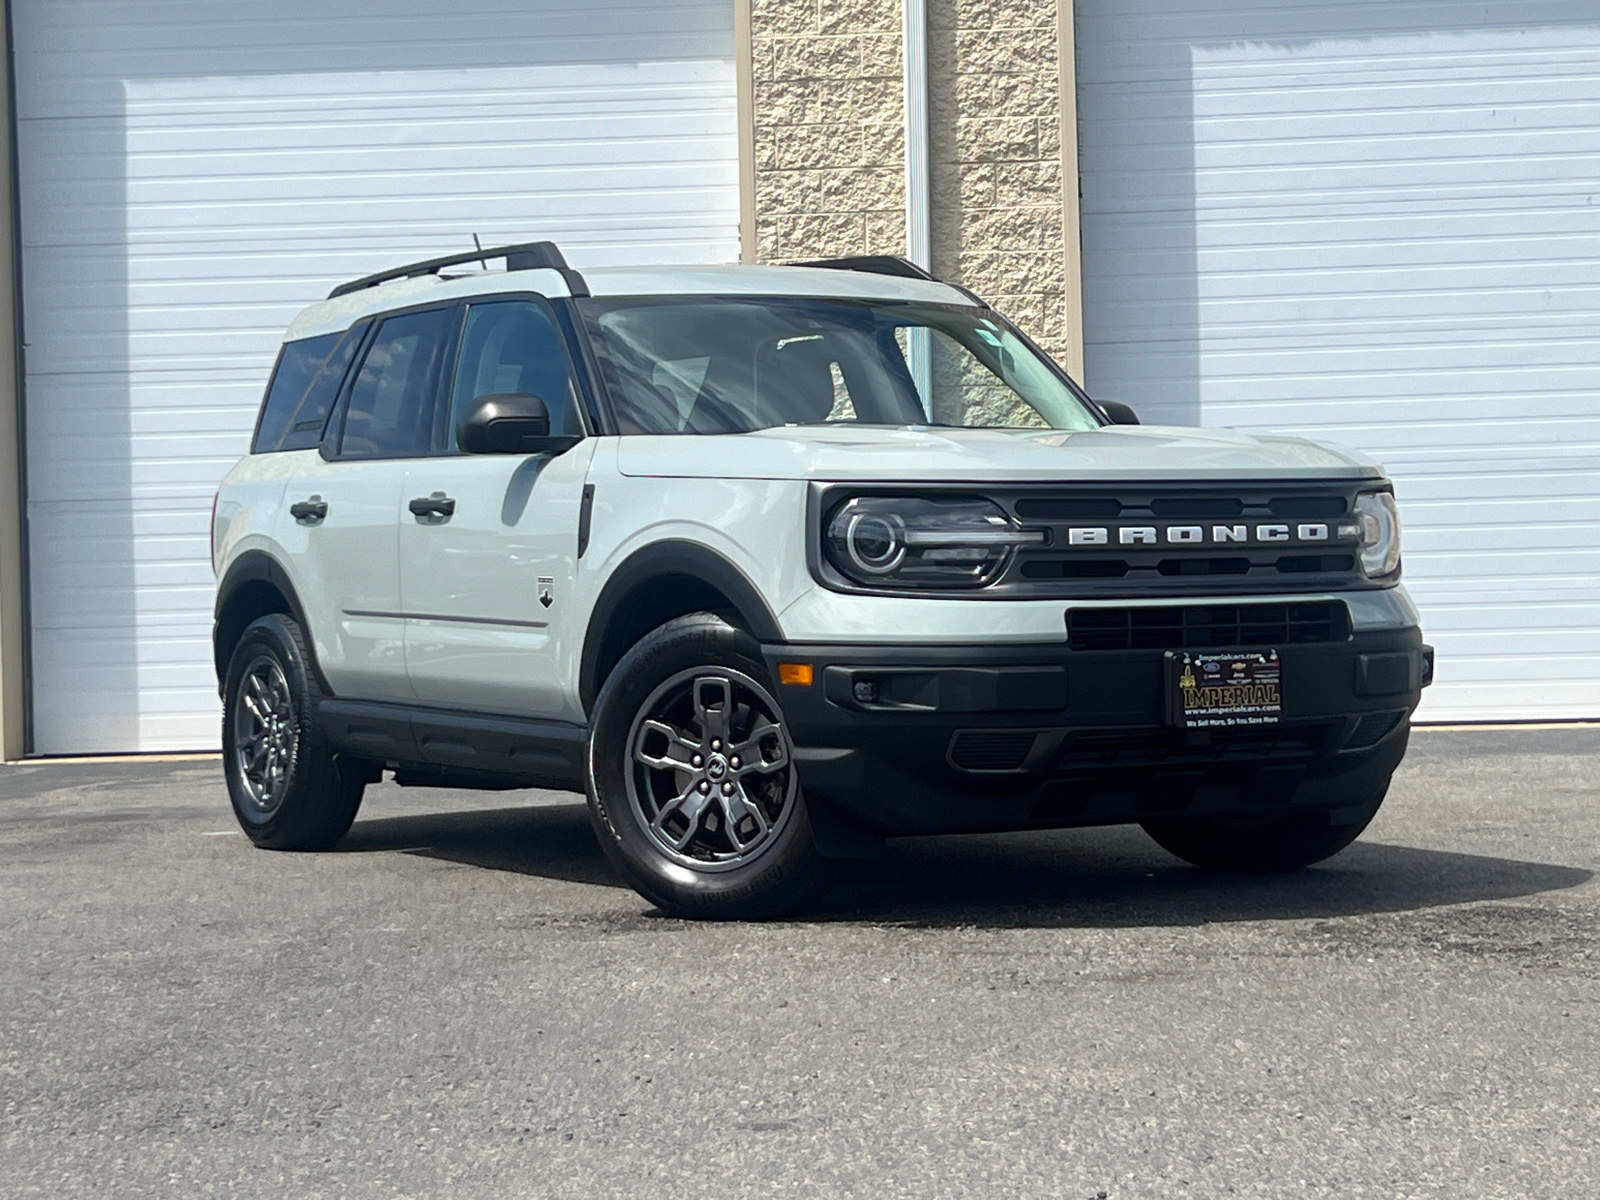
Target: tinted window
(304, 385)
(512, 346)
(391, 399)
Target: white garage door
(1375, 223)
(194, 173)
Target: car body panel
(479, 634)
(345, 568)
(881, 454)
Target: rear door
(488, 561)
(345, 508)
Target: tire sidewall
(778, 878)
(274, 636)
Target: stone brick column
(829, 150)
(829, 128)
(998, 205)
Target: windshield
(702, 364)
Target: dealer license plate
(1225, 689)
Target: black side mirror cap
(1120, 414)
(510, 423)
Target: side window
(512, 346)
(391, 400)
(304, 385)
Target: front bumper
(943, 739)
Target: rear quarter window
(302, 391)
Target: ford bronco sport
(774, 562)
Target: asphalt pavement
(463, 1000)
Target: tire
(289, 791)
(1263, 845)
(696, 828)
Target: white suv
(774, 562)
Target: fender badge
(546, 584)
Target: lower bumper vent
(1372, 729)
(991, 750)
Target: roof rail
(890, 264)
(872, 264)
(525, 256)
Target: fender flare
(669, 558)
(257, 566)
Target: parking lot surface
(462, 1000)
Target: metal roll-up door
(1376, 224)
(192, 174)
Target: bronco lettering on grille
(1264, 534)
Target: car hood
(881, 454)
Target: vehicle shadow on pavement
(1117, 877)
(553, 841)
(1106, 877)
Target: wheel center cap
(716, 767)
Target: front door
(488, 543)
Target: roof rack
(525, 256)
(872, 264)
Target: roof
(733, 279)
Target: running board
(547, 754)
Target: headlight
(914, 542)
(1380, 533)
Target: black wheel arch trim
(257, 566)
(661, 559)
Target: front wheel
(1265, 845)
(693, 790)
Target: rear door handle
(308, 511)
(437, 505)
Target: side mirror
(1120, 414)
(509, 423)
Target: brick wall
(995, 133)
(829, 128)
(830, 156)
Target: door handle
(437, 505)
(309, 511)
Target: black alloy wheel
(288, 790)
(693, 788)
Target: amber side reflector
(796, 674)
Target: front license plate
(1223, 690)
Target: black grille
(1210, 626)
(1133, 747)
(1308, 506)
(1065, 508)
(1184, 540)
(991, 750)
(1204, 566)
(1115, 568)
(1143, 540)
(1292, 564)
(1196, 506)
(1059, 507)
(1372, 729)
(1075, 568)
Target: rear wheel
(289, 791)
(1265, 845)
(693, 789)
